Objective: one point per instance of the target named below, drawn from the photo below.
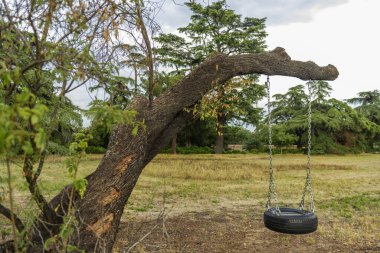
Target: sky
(344, 33)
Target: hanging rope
(272, 186)
(308, 185)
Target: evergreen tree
(216, 29)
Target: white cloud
(344, 36)
(175, 14)
(281, 12)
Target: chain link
(308, 185)
(272, 185)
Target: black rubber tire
(291, 221)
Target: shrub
(95, 150)
(57, 149)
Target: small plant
(61, 241)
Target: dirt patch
(221, 231)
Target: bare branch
(77, 86)
(33, 187)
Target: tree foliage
(216, 29)
(336, 127)
(47, 50)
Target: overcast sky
(344, 33)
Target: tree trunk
(174, 144)
(110, 186)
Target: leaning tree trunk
(174, 144)
(110, 186)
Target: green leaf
(135, 130)
(5, 78)
(80, 186)
(34, 119)
(40, 140)
(70, 165)
(27, 147)
(16, 74)
(49, 242)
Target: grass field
(214, 203)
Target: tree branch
(32, 185)
(8, 214)
(127, 155)
(221, 68)
(33, 64)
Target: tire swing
(283, 219)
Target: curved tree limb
(110, 186)
(222, 68)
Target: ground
(226, 231)
(215, 203)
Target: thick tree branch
(101, 208)
(180, 121)
(221, 68)
(8, 214)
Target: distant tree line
(350, 126)
(229, 114)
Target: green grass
(348, 207)
(347, 189)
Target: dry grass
(347, 190)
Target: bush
(95, 150)
(278, 150)
(375, 148)
(57, 149)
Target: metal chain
(272, 186)
(308, 185)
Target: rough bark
(110, 186)
(174, 144)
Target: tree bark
(174, 144)
(110, 186)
